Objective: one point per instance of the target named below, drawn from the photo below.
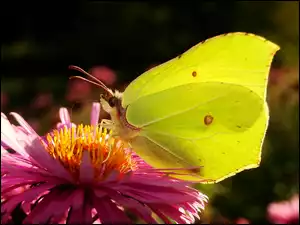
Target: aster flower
(81, 174)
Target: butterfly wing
(205, 107)
(176, 131)
(238, 58)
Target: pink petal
(21, 158)
(9, 181)
(87, 214)
(21, 132)
(22, 139)
(14, 187)
(69, 198)
(16, 160)
(86, 168)
(157, 181)
(137, 208)
(28, 196)
(78, 199)
(60, 219)
(134, 206)
(95, 114)
(172, 212)
(64, 116)
(8, 136)
(190, 208)
(56, 203)
(75, 216)
(6, 219)
(76, 213)
(3, 151)
(26, 206)
(13, 161)
(108, 212)
(100, 193)
(38, 152)
(81, 215)
(161, 216)
(43, 211)
(23, 123)
(26, 173)
(152, 194)
(13, 192)
(5, 155)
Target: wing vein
(180, 112)
(166, 149)
(195, 139)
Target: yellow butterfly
(204, 108)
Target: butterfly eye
(112, 101)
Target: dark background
(122, 40)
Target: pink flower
(43, 100)
(105, 74)
(78, 90)
(81, 174)
(285, 212)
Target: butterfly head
(111, 100)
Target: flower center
(107, 154)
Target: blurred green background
(119, 41)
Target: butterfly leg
(105, 105)
(108, 124)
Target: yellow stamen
(106, 153)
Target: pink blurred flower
(242, 221)
(78, 90)
(81, 174)
(285, 212)
(43, 100)
(105, 74)
(275, 75)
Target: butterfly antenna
(99, 82)
(87, 80)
